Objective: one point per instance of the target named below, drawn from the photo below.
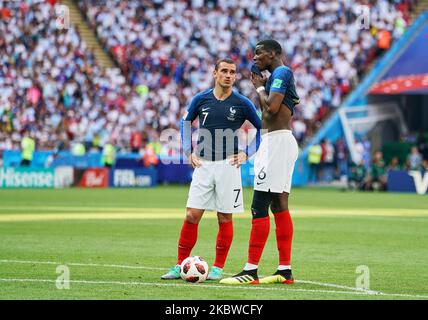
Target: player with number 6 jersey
(216, 181)
(273, 165)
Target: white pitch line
(163, 269)
(132, 283)
(78, 264)
(248, 287)
(354, 290)
(337, 286)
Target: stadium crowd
(171, 46)
(53, 88)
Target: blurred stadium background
(83, 78)
(88, 87)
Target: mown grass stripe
(156, 213)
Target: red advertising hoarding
(94, 178)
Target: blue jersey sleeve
(251, 114)
(255, 120)
(254, 145)
(280, 80)
(186, 125)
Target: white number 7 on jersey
(205, 117)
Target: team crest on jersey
(232, 114)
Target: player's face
(262, 58)
(225, 75)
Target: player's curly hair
(270, 45)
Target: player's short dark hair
(227, 60)
(270, 45)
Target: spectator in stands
(96, 142)
(61, 145)
(299, 130)
(377, 175)
(414, 159)
(359, 152)
(422, 144)
(136, 141)
(28, 146)
(424, 166)
(327, 160)
(384, 39)
(109, 154)
(341, 158)
(393, 165)
(78, 149)
(150, 159)
(5, 13)
(357, 176)
(367, 151)
(314, 159)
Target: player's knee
(224, 218)
(274, 208)
(193, 216)
(279, 202)
(260, 205)
(279, 206)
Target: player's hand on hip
(194, 161)
(238, 159)
(257, 80)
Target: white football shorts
(274, 162)
(216, 186)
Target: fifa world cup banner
(133, 178)
(26, 178)
(92, 178)
(412, 181)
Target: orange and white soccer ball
(194, 269)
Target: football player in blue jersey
(273, 165)
(216, 181)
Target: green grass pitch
(116, 243)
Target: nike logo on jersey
(205, 109)
(236, 206)
(259, 183)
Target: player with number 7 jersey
(216, 182)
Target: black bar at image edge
(209, 309)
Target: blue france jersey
(282, 80)
(217, 120)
